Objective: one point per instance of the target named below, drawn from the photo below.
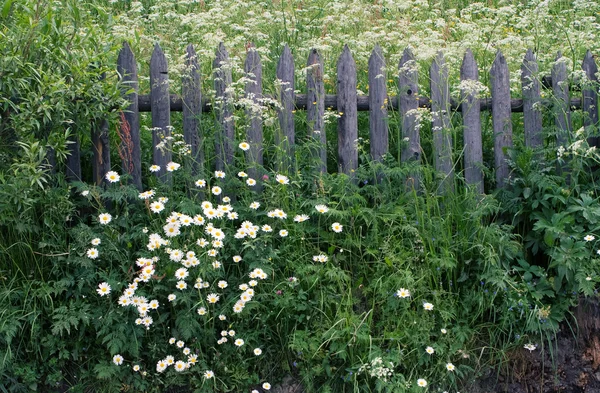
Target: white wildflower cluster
(377, 368)
(173, 260)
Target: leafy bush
(370, 275)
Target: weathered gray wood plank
(315, 105)
(253, 89)
(129, 129)
(562, 111)
(192, 109)
(501, 117)
(532, 114)
(408, 97)
(590, 96)
(378, 105)
(285, 138)
(442, 129)
(471, 114)
(348, 120)
(224, 139)
(101, 152)
(161, 115)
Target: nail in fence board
(315, 105)
(285, 138)
(192, 109)
(532, 114)
(378, 105)
(442, 130)
(471, 110)
(161, 115)
(224, 136)
(560, 89)
(253, 89)
(501, 117)
(348, 120)
(129, 129)
(408, 96)
(590, 96)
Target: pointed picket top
(378, 104)
(499, 63)
(347, 109)
(501, 117)
(532, 115)
(221, 55)
(590, 94)
(468, 68)
(158, 60)
(441, 130)
(470, 111)
(125, 54)
(315, 105)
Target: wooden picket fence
(160, 103)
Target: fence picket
(590, 96)
(161, 115)
(442, 129)
(532, 114)
(253, 89)
(315, 105)
(348, 120)
(501, 117)
(408, 96)
(101, 147)
(378, 105)
(192, 109)
(225, 135)
(471, 111)
(73, 169)
(285, 138)
(560, 89)
(129, 129)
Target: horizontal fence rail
(407, 100)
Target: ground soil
(573, 365)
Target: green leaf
(6, 8)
